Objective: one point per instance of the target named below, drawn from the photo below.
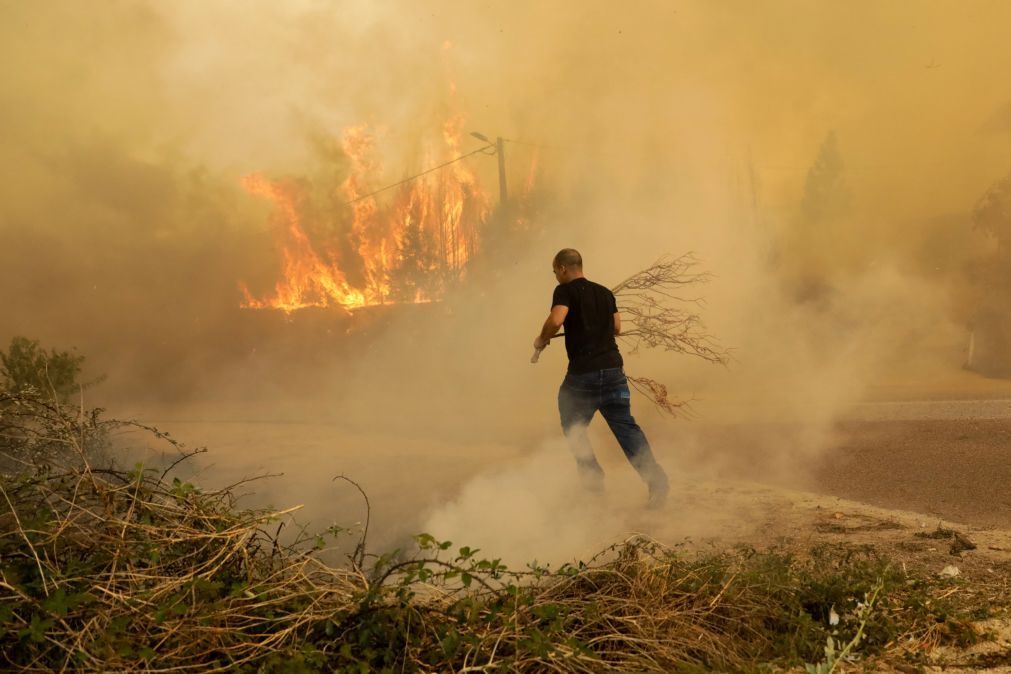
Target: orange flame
(306, 281)
(407, 251)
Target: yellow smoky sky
(663, 127)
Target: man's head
(567, 265)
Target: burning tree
(416, 274)
(365, 252)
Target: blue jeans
(583, 395)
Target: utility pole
(503, 194)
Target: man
(595, 379)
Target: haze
(654, 128)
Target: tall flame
(407, 250)
(306, 280)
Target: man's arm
(617, 324)
(551, 326)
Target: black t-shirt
(589, 325)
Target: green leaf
(56, 603)
(36, 630)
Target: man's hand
(539, 345)
(551, 327)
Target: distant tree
(989, 351)
(26, 365)
(816, 246)
(826, 196)
(992, 214)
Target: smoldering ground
(821, 161)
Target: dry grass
(104, 569)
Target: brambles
(36, 430)
(35, 385)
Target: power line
(484, 149)
(537, 144)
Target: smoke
(663, 128)
(534, 510)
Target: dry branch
(661, 315)
(659, 311)
(658, 394)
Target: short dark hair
(568, 257)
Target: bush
(27, 366)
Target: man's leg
(616, 409)
(576, 409)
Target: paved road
(948, 458)
(914, 410)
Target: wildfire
(407, 248)
(307, 281)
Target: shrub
(27, 366)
